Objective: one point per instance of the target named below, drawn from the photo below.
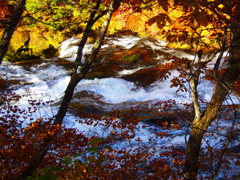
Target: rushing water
(48, 81)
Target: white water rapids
(48, 81)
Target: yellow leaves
(227, 16)
(220, 6)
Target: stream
(128, 80)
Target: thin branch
(229, 136)
(42, 22)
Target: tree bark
(113, 6)
(10, 28)
(86, 34)
(222, 89)
(78, 77)
(75, 79)
(199, 127)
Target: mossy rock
(50, 52)
(104, 70)
(131, 58)
(22, 57)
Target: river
(129, 79)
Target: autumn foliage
(73, 155)
(202, 25)
(4, 10)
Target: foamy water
(48, 82)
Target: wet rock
(50, 52)
(89, 105)
(86, 100)
(5, 84)
(86, 104)
(145, 53)
(104, 70)
(29, 63)
(147, 76)
(1, 102)
(166, 118)
(160, 119)
(131, 58)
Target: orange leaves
(3, 4)
(161, 20)
(162, 134)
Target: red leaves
(178, 82)
(162, 134)
(4, 11)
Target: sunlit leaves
(220, 6)
(60, 14)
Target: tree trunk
(222, 89)
(199, 127)
(78, 77)
(75, 79)
(10, 28)
(85, 36)
(97, 45)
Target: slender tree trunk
(113, 6)
(10, 28)
(75, 79)
(78, 77)
(222, 89)
(199, 127)
(86, 34)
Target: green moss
(23, 57)
(131, 58)
(93, 75)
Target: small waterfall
(69, 49)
